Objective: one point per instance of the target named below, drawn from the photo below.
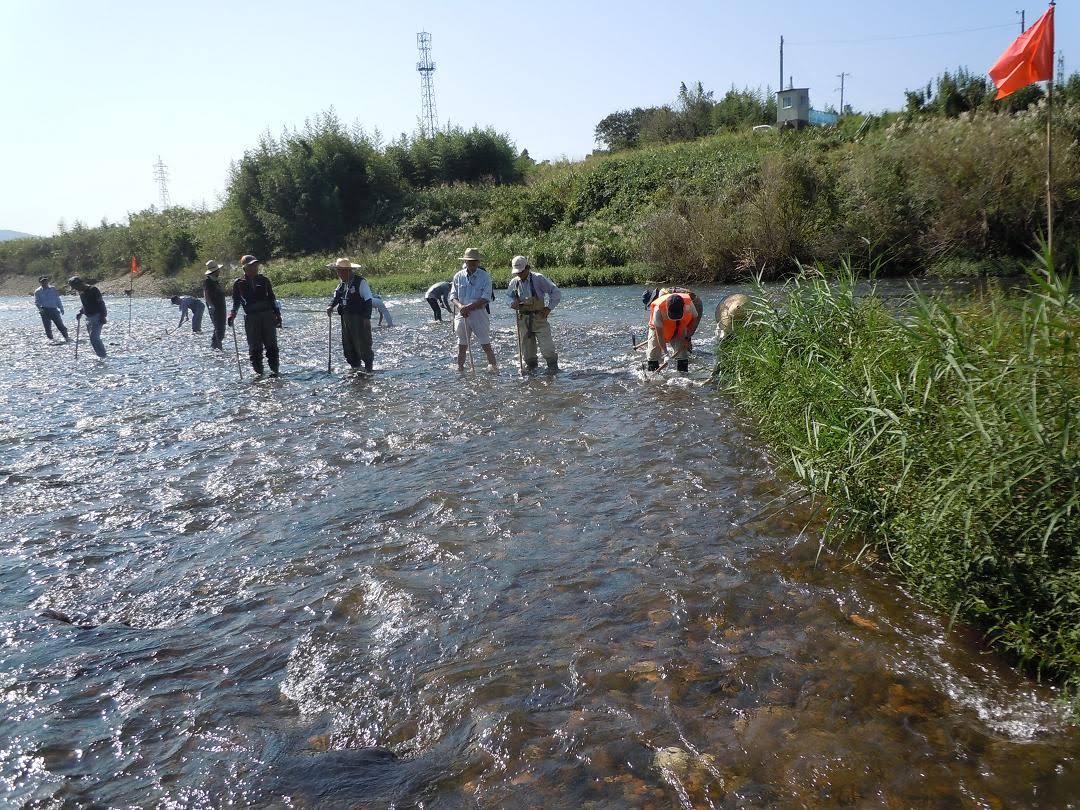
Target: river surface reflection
(331, 590)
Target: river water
(586, 590)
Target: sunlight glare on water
(332, 590)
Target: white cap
(518, 265)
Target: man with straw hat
(262, 319)
(353, 301)
(470, 293)
(215, 302)
(533, 297)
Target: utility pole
(161, 175)
(841, 77)
(781, 61)
(1023, 28)
(426, 68)
(1061, 69)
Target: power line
(903, 36)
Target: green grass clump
(947, 434)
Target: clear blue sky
(93, 92)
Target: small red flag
(134, 266)
(1028, 60)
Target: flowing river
(420, 588)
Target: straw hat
(471, 255)
(211, 268)
(344, 264)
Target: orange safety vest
(671, 328)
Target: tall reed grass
(946, 433)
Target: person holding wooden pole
(352, 299)
(470, 294)
(533, 297)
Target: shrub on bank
(946, 434)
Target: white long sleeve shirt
(48, 298)
(466, 289)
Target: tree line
(309, 189)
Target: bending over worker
(215, 302)
(470, 293)
(195, 306)
(436, 295)
(353, 301)
(673, 319)
(50, 307)
(262, 318)
(384, 313)
(93, 307)
(526, 294)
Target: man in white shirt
(470, 293)
(533, 296)
(384, 313)
(50, 307)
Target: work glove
(79, 316)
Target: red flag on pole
(134, 266)
(1028, 60)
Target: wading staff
(521, 362)
(468, 342)
(78, 328)
(237, 347)
(329, 343)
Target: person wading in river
(262, 319)
(673, 319)
(93, 307)
(189, 303)
(353, 301)
(470, 293)
(436, 295)
(215, 302)
(50, 307)
(526, 295)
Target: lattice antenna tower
(1060, 69)
(161, 175)
(426, 68)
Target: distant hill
(6, 235)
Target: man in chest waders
(215, 302)
(673, 319)
(353, 301)
(533, 297)
(253, 292)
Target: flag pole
(1050, 150)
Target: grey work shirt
(535, 286)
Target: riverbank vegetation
(945, 432)
(952, 184)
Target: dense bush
(947, 436)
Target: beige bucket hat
(471, 255)
(344, 264)
(211, 268)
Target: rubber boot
(553, 365)
(530, 365)
(654, 365)
(682, 365)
